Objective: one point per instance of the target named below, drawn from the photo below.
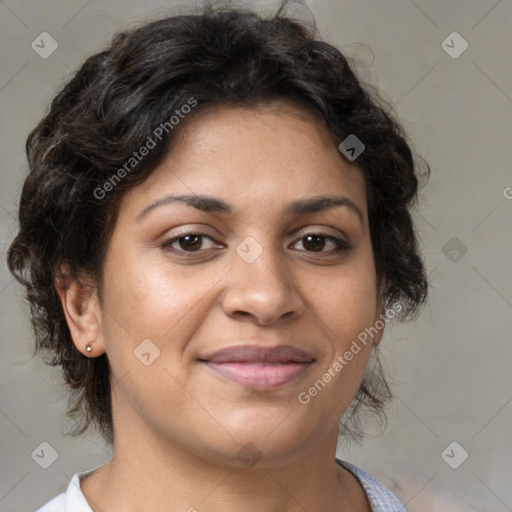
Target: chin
(268, 444)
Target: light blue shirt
(381, 498)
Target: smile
(259, 367)
(259, 375)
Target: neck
(155, 475)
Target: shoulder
(380, 497)
(436, 496)
(383, 499)
(58, 504)
(72, 500)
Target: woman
(213, 235)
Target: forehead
(253, 157)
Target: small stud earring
(88, 347)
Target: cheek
(148, 298)
(347, 302)
(346, 311)
(142, 298)
(148, 317)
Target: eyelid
(341, 244)
(192, 229)
(171, 239)
(324, 231)
(294, 236)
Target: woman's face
(247, 275)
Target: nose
(262, 291)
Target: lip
(259, 354)
(259, 368)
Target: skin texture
(179, 427)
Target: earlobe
(81, 308)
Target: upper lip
(257, 353)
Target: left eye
(314, 240)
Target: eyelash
(341, 245)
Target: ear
(82, 310)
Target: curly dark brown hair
(112, 104)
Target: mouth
(259, 368)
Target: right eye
(187, 242)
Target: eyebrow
(211, 204)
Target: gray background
(452, 367)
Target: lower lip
(257, 376)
